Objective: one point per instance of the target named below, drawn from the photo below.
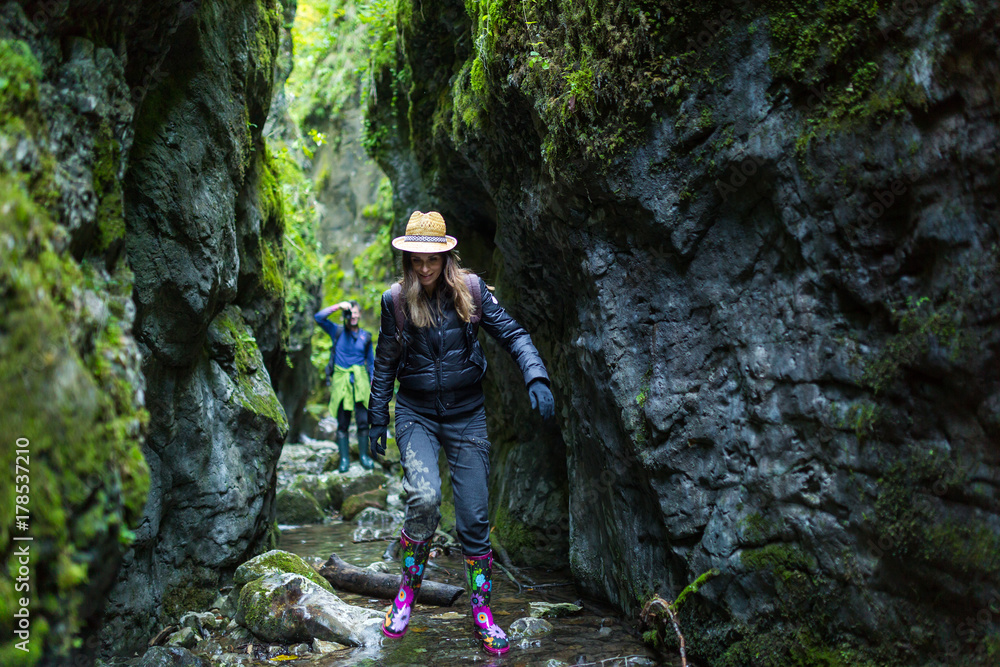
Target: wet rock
(296, 507)
(185, 637)
(226, 604)
(171, 656)
(364, 483)
(210, 648)
(274, 562)
(314, 485)
(378, 518)
(320, 646)
(290, 608)
(383, 566)
(554, 609)
(386, 525)
(233, 660)
(300, 650)
(204, 623)
(335, 490)
(354, 504)
(529, 627)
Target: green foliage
(919, 325)
(811, 37)
(19, 75)
(302, 264)
(693, 587)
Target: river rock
(529, 627)
(364, 483)
(354, 504)
(286, 608)
(204, 623)
(553, 609)
(185, 637)
(296, 507)
(171, 656)
(274, 562)
(320, 646)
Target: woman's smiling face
(428, 268)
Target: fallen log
(359, 580)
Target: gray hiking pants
(468, 452)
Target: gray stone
(353, 505)
(296, 507)
(185, 637)
(529, 627)
(554, 609)
(289, 608)
(320, 646)
(204, 623)
(365, 482)
(171, 656)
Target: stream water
(443, 635)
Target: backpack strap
(472, 281)
(397, 309)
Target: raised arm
(322, 317)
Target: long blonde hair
(451, 283)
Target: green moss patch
(273, 562)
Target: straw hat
(425, 232)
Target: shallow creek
(443, 635)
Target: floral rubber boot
(413, 553)
(479, 575)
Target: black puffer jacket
(441, 368)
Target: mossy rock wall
(757, 246)
(144, 281)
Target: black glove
(377, 438)
(541, 398)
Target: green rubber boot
(366, 460)
(345, 451)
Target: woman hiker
(430, 346)
(349, 373)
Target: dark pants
(344, 418)
(468, 452)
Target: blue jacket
(352, 349)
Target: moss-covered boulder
(285, 608)
(354, 504)
(297, 506)
(315, 485)
(364, 483)
(276, 561)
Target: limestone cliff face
(758, 250)
(143, 281)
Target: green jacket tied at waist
(344, 391)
